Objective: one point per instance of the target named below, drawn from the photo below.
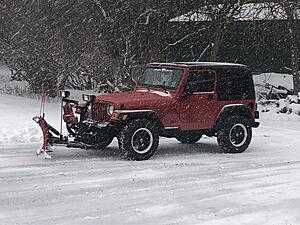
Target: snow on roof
(198, 64)
(209, 64)
(248, 12)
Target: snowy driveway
(181, 184)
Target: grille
(99, 112)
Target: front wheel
(139, 139)
(235, 135)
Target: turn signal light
(117, 116)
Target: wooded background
(85, 44)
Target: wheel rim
(142, 140)
(238, 135)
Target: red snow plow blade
(43, 125)
(50, 135)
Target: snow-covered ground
(181, 184)
(16, 124)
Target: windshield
(161, 77)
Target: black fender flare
(141, 114)
(234, 110)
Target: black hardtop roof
(199, 64)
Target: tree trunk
(218, 39)
(295, 69)
(290, 9)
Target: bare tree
(221, 16)
(216, 17)
(289, 10)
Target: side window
(235, 84)
(201, 81)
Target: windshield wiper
(155, 85)
(161, 86)
(146, 85)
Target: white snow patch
(20, 136)
(159, 210)
(17, 126)
(160, 93)
(91, 217)
(275, 79)
(295, 108)
(145, 174)
(248, 12)
(163, 94)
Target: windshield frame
(139, 84)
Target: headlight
(110, 110)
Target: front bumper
(96, 124)
(105, 126)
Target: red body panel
(198, 111)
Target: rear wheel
(188, 137)
(139, 139)
(235, 135)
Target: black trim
(150, 115)
(256, 124)
(235, 84)
(256, 114)
(228, 111)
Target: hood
(138, 99)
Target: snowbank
(272, 85)
(17, 126)
(289, 105)
(275, 79)
(269, 116)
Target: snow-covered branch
(185, 37)
(104, 14)
(204, 51)
(146, 14)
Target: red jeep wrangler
(182, 100)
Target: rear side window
(201, 81)
(235, 84)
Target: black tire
(139, 139)
(234, 136)
(188, 137)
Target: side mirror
(187, 92)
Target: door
(197, 111)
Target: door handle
(210, 97)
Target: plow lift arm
(51, 136)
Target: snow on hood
(160, 93)
(140, 98)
